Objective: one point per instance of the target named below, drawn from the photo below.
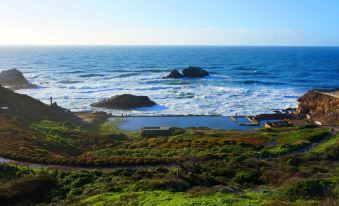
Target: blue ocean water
(244, 80)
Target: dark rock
(175, 74)
(125, 101)
(193, 72)
(14, 79)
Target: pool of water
(215, 122)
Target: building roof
(155, 128)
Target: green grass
(53, 131)
(191, 167)
(166, 198)
(294, 138)
(324, 147)
(112, 127)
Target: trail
(44, 167)
(306, 148)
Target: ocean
(243, 80)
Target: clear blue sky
(169, 22)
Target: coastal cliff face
(320, 106)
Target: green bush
(171, 184)
(294, 161)
(246, 177)
(308, 189)
(26, 190)
(332, 154)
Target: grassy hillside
(31, 109)
(191, 167)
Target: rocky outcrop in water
(175, 74)
(14, 79)
(320, 106)
(193, 72)
(190, 72)
(125, 101)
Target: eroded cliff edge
(320, 105)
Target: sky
(170, 22)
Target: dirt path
(333, 94)
(43, 167)
(303, 149)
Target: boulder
(125, 101)
(14, 79)
(193, 72)
(175, 74)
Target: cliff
(322, 106)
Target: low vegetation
(286, 166)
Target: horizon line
(157, 45)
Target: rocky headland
(320, 105)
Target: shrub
(26, 190)
(293, 161)
(201, 180)
(171, 184)
(246, 177)
(227, 172)
(81, 181)
(308, 189)
(332, 154)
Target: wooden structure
(252, 120)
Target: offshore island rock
(125, 101)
